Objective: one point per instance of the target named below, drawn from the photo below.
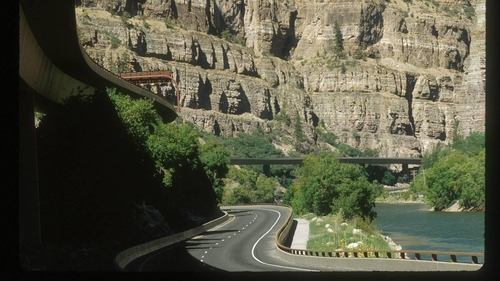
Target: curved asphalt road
(246, 242)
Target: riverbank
(400, 197)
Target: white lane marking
(270, 264)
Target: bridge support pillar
(266, 169)
(405, 170)
(29, 203)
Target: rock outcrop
(410, 76)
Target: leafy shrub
(139, 116)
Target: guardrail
(284, 232)
(126, 256)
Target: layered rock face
(410, 76)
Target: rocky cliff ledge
(410, 76)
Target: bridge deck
(352, 160)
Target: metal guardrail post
(474, 259)
(434, 257)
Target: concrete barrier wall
(127, 256)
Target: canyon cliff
(398, 76)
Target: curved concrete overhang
(55, 65)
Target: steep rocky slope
(412, 74)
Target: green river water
(414, 227)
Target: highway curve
(246, 242)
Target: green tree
(338, 47)
(325, 186)
(389, 178)
(471, 145)
(138, 115)
(239, 195)
(299, 133)
(215, 161)
(264, 189)
(455, 176)
(174, 146)
(473, 182)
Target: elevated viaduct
(52, 67)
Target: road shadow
(218, 231)
(229, 211)
(289, 239)
(174, 258)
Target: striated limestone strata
(412, 75)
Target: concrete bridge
(52, 67)
(266, 162)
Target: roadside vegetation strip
(332, 233)
(126, 256)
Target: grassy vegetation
(332, 232)
(343, 149)
(169, 22)
(231, 37)
(115, 42)
(395, 197)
